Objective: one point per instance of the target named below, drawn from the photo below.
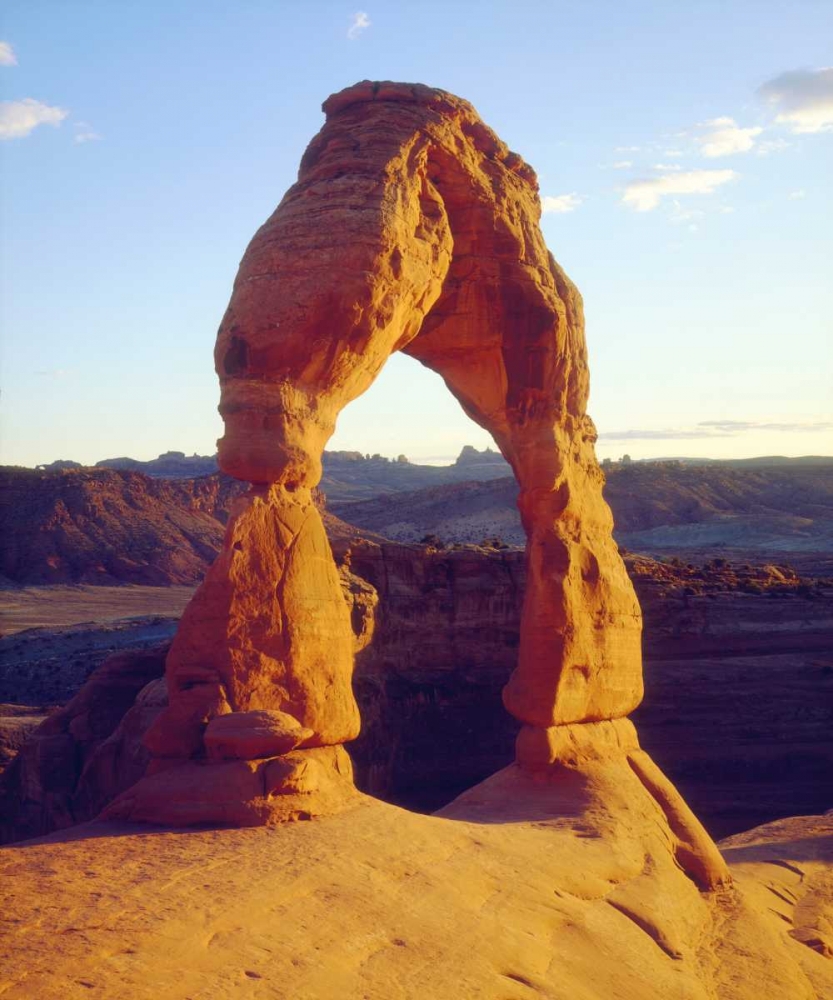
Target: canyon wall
(738, 711)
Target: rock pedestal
(412, 228)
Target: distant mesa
(470, 456)
(172, 464)
(59, 466)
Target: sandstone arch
(412, 227)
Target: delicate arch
(412, 227)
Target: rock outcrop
(556, 885)
(87, 752)
(411, 228)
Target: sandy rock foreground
(558, 885)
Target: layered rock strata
(412, 227)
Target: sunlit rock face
(413, 228)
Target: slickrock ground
(564, 890)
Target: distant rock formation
(108, 526)
(470, 457)
(657, 507)
(170, 465)
(104, 526)
(60, 465)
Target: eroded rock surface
(413, 228)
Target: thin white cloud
(19, 118)
(724, 137)
(766, 147)
(667, 166)
(715, 429)
(626, 149)
(736, 426)
(84, 132)
(645, 195)
(7, 56)
(680, 214)
(360, 23)
(622, 164)
(797, 195)
(673, 154)
(802, 98)
(559, 204)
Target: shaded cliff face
(739, 680)
(739, 676)
(104, 526)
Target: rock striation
(413, 228)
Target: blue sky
(684, 152)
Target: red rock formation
(411, 227)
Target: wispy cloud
(622, 164)
(766, 147)
(645, 195)
(667, 166)
(714, 429)
(803, 99)
(84, 132)
(724, 137)
(19, 118)
(561, 203)
(673, 154)
(359, 23)
(7, 56)
(653, 435)
(737, 426)
(680, 214)
(627, 149)
(797, 195)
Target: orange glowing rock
(412, 228)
